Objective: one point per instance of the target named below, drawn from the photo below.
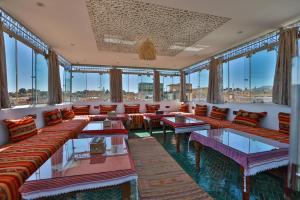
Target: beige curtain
(4, 98)
(182, 86)
(156, 90)
(116, 94)
(215, 82)
(54, 86)
(288, 48)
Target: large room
(149, 99)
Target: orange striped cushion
(284, 122)
(67, 114)
(218, 113)
(104, 109)
(20, 129)
(184, 108)
(81, 110)
(249, 118)
(201, 110)
(132, 108)
(52, 117)
(152, 108)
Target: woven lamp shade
(147, 51)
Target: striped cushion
(67, 114)
(132, 108)
(201, 110)
(52, 117)
(152, 108)
(104, 109)
(219, 113)
(137, 120)
(184, 108)
(81, 110)
(20, 129)
(284, 122)
(249, 118)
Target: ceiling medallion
(147, 50)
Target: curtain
(182, 86)
(288, 48)
(116, 85)
(215, 82)
(54, 86)
(156, 94)
(4, 98)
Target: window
(197, 85)
(90, 86)
(137, 87)
(171, 87)
(27, 73)
(65, 81)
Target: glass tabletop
(183, 120)
(99, 125)
(75, 158)
(240, 141)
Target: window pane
(203, 82)
(197, 85)
(41, 79)
(10, 50)
(79, 88)
(24, 74)
(263, 65)
(67, 86)
(171, 87)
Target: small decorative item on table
(98, 145)
(107, 123)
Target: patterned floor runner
(160, 177)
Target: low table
(74, 168)
(149, 118)
(97, 128)
(184, 125)
(254, 154)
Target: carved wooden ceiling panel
(122, 25)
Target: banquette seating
(30, 147)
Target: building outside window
(171, 87)
(197, 85)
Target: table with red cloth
(152, 119)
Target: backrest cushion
(20, 129)
(201, 110)
(249, 118)
(67, 114)
(218, 113)
(104, 109)
(52, 117)
(81, 110)
(184, 108)
(132, 108)
(152, 108)
(284, 122)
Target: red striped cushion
(184, 108)
(152, 108)
(67, 114)
(132, 108)
(218, 113)
(284, 122)
(104, 109)
(20, 129)
(201, 110)
(52, 117)
(249, 118)
(81, 110)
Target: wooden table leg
(245, 185)
(164, 131)
(177, 138)
(126, 191)
(198, 149)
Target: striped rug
(159, 176)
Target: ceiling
(108, 32)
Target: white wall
(270, 121)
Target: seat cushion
(284, 122)
(201, 110)
(219, 113)
(183, 108)
(104, 109)
(249, 118)
(152, 108)
(67, 114)
(52, 117)
(129, 109)
(81, 110)
(137, 120)
(20, 129)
